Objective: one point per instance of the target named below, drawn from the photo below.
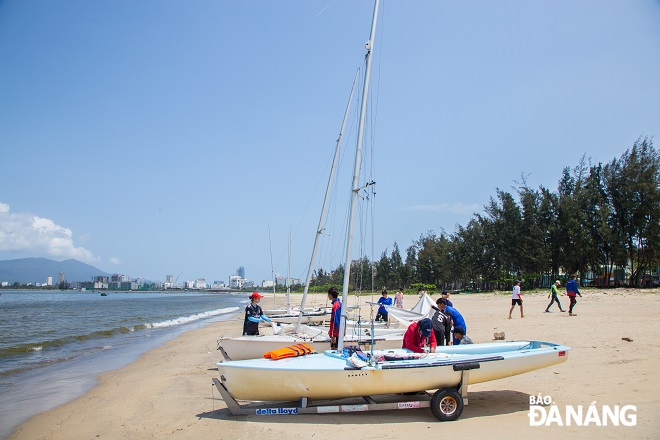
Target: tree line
(603, 219)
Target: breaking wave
(192, 318)
(65, 340)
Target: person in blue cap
(418, 335)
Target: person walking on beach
(516, 299)
(554, 292)
(456, 318)
(384, 300)
(335, 318)
(253, 315)
(398, 298)
(418, 335)
(572, 291)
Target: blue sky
(171, 137)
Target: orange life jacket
(290, 351)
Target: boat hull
(254, 347)
(327, 375)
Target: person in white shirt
(516, 298)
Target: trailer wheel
(447, 404)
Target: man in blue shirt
(572, 291)
(384, 300)
(456, 317)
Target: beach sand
(168, 392)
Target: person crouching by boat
(459, 333)
(384, 300)
(253, 316)
(456, 317)
(418, 335)
(572, 291)
(335, 318)
(441, 327)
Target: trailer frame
(446, 403)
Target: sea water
(53, 344)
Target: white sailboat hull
(305, 319)
(254, 347)
(328, 376)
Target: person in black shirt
(441, 327)
(253, 315)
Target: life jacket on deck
(290, 351)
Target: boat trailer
(446, 403)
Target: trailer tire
(447, 405)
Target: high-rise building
(61, 279)
(235, 282)
(241, 272)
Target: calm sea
(52, 345)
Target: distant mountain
(37, 270)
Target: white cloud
(115, 260)
(40, 236)
(454, 208)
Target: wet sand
(168, 391)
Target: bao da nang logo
(544, 412)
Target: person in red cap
(253, 315)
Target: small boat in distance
(104, 294)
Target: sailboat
(298, 325)
(348, 373)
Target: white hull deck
(328, 376)
(254, 347)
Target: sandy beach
(168, 392)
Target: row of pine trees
(602, 219)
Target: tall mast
(272, 269)
(356, 175)
(320, 228)
(288, 278)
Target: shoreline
(168, 392)
(58, 383)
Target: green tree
(633, 183)
(506, 220)
(397, 268)
(383, 272)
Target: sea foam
(187, 319)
